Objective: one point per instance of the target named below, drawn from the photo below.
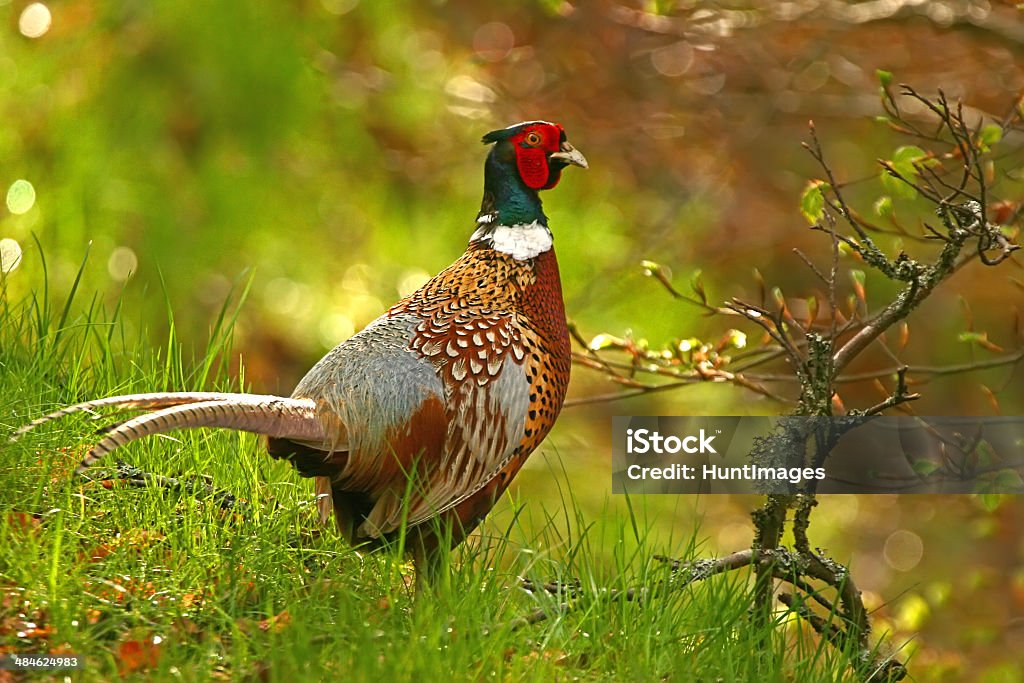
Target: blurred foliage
(328, 150)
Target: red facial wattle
(533, 166)
(532, 160)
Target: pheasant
(423, 418)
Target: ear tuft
(506, 133)
(495, 136)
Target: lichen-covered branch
(952, 178)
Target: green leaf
(884, 77)
(902, 162)
(924, 467)
(897, 187)
(883, 206)
(991, 501)
(1008, 481)
(986, 455)
(812, 201)
(908, 154)
(990, 135)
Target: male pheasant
(424, 417)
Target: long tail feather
(285, 418)
(130, 402)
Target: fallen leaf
(191, 600)
(276, 623)
(22, 522)
(138, 655)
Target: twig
(779, 564)
(900, 395)
(133, 476)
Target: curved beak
(570, 155)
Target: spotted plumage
(424, 417)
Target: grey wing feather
(370, 383)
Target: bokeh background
(327, 152)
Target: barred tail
(131, 402)
(278, 417)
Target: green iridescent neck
(507, 199)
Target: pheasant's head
(526, 158)
(539, 149)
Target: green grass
(164, 584)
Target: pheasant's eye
(533, 139)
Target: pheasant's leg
(432, 570)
